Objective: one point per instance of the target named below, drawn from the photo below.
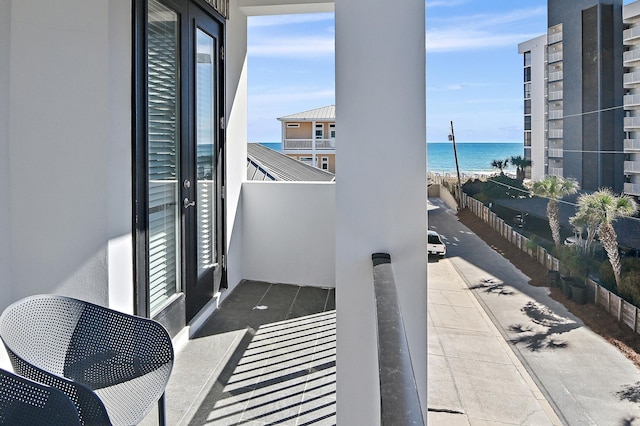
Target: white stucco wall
(380, 189)
(69, 146)
(236, 149)
(289, 232)
(6, 290)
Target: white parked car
(435, 244)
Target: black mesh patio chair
(85, 349)
(25, 402)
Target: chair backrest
(126, 360)
(24, 402)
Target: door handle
(186, 203)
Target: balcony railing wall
(308, 144)
(288, 232)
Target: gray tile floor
(267, 356)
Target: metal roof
(327, 113)
(266, 164)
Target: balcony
(555, 153)
(554, 38)
(632, 166)
(555, 114)
(554, 57)
(555, 76)
(631, 78)
(555, 171)
(632, 189)
(631, 34)
(631, 122)
(632, 144)
(631, 56)
(555, 95)
(268, 355)
(555, 134)
(308, 144)
(631, 101)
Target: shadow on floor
(272, 359)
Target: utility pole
(452, 138)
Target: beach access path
(583, 378)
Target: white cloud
(480, 31)
(291, 95)
(279, 20)
(443, 3)
(293, 47)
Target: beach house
(310, 136)
(123, 173)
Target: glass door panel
(205, 152)
(163, 115)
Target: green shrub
(572, 260)
(629, 287)
(607, 279)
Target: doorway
(179, 174)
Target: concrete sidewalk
(474, 378)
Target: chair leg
(162, 415)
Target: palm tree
(500, 165)
(604, 207)
(521, 166)
(554, 188)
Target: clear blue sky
(474, 71)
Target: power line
(548, 198)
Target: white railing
(631, 100)
(631, 33)
(555, 76)
(555, 134)
(631, 55)
(554, 38)
(556, 95)
(556, 114)
(631, 122)
(632, 188)
(554, 57)
(632, 77)
(632, 166)
(632, 144)
(309, 143)
(555, 153)
(555, 171)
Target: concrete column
(380, 189)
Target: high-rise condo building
(573, 94)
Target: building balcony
(309, 144)
(554, 38)
(555, 152)
(555, 95)
(632, 189)
(631, 35)
(631, 101)
(554, 57)
(631, 123)
(632, 144)
(556, 114)
(631, 78)
(555, 76)
(555, 134)
(631, 56)
(632, 167)
(555, 171)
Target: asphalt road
(587, 380)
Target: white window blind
(163, 160)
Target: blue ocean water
(273, 145)
(473, 157)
